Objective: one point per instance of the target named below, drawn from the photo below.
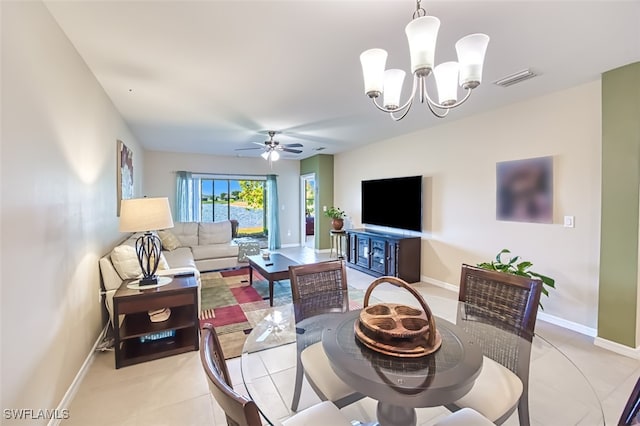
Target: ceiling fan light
(422, 34)
(393, 80)
(471, 50)
(265, 155)
(373, 62)
(446, 75)
(275, 156)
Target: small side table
(136, 337)
(338, 241)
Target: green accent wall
(617, 308)
(322, 166)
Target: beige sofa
(211, 243)
(188, 248)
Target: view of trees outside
(242, 200)
(309, 189)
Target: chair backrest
(631, 413)
(319, 288)
(512, 298)
(307, 280)
(239, 410)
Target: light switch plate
(568, 222)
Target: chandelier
(422, 33)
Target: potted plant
(516, 267)
(337, 217)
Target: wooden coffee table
(275, 268)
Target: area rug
(234, 307)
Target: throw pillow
(125, 261)
(169, 241)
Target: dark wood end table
(274, 268)
(137, 337)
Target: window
(239, 199)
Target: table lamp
(146, 215)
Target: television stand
(384, 254)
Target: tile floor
(174, 391)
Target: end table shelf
(131, 311)
(139, 324)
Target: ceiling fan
(272, 148)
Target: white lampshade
(422, 34)
(471, 50)
(446, 75)
(275, 156)
(145, 214)
(393, 80)
(265, 155)
(373, 62)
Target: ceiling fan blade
(294, 145)
(262, 144)
(245, 149)
(295, 151)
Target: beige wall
(458, 162)
(160, 181)
(59, 132)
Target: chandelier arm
(404, 110)
(436, 113)
(448, 107)
(398, 118)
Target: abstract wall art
(525, 190)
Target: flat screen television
(394, 202)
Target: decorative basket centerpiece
(397, 330)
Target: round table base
(395, 415)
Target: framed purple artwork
(524, 190)
(124, 174)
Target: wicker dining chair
(242, 411)
(631, 413)
(319, 288)
(509, 303)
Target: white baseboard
(75, 384)
(617, 348)
(439, 283)
(570, 325)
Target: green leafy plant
(516, 267)
(335, 213)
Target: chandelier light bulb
(471, 50)
(393, 80)
(265, 155)
(422, 34)
(373, 62)
(446, 75)
(275, 156)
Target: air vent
(515, 78)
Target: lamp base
(152, 280)
(162, 281)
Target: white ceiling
(213, 76)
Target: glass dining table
(403, 391)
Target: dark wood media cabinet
(130, 308)
(380, 254)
